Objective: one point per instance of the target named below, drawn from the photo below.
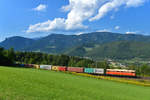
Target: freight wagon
(94, 70)
(100, 71)
(36, 66)
(22, 65)
(29, 65)
(62, 68)
(46, 67)
(75, 69)
(55, 68)
(89, 70)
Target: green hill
(96, 45)
(17, 42)
(113, 50)
(31, 84)
(58, 43)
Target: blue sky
(35, 18)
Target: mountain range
(94, 45)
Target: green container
(89, 70)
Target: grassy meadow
(33, 84)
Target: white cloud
(57, 23)
(80, 33)
(80, 11)
(128, 32)
(117, 27)
(40, 7)
(135, 3)
(104, 30)
(115, 4)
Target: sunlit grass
(33, 84)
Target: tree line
(7, 57)
(11, 57)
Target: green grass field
(32, 84)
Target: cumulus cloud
(40, 7)
(80, 11)
(117, 27)
(57, 23)
(135, 3)
(115, 4)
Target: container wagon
(29, 65)
(62, 68)
(22, 65)
(89, 70)
(55, 68)
(94, 70)
(46, 67)
(75, 69)
(99, 71)
(36, 66)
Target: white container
(99, 71)
(46, 67)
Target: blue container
(22, 65)
(89, 70)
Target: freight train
(95, 71)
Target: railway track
(146, 78)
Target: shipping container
(36, 66)
(22, 65)
(99, 71)
(62, 68)
(46, 67)
(55, 68)
(25, 65)
(75, 69)
(29, 65)
(89, 70)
